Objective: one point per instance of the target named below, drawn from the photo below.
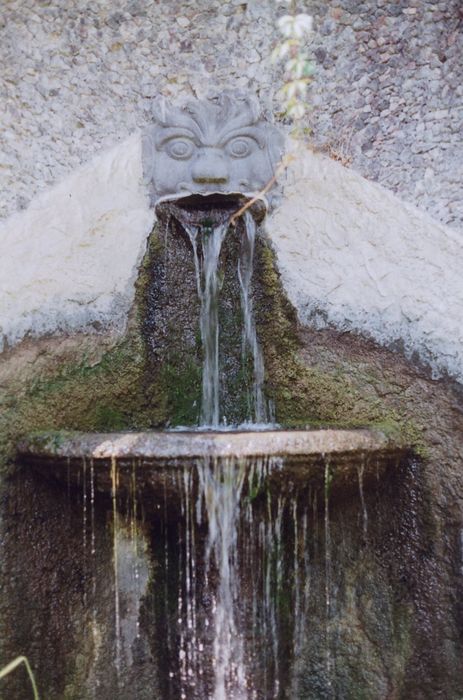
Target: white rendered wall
(354, 256)
(70, 260)
(351, 254)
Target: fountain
(225, 498)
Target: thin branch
(281, 167)
(13, 665)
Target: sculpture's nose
(210, 167)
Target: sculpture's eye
(240, 147)
(181, 149)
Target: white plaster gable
(354, 256)
(70, 259)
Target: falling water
(328, 600)
(94, 625)
(242, 597)
(84, 518)
(117, 616)
(216, 639)
(360, 473)
(245, 270)
(208, 284)
(236, 575)
(211, 244)
(221, 483)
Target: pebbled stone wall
(79, 76)
(389, 95)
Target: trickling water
(211, 244)
(235, 587)
(360, 473)
(302, 579)
(220, 487)
(243, 593)
(94, 625)
(190, 641)
(208, 284)
(328, 600)
(245, 270)
(84, 518)
(133, 574)
(248, 578)
(117, 616)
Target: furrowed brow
(248, 131)
(176, 132)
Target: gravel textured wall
(389, 95)
(77, 76)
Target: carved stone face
(219, 145)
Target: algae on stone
(151, 377)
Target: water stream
(235, 639)
(233, 569)
(216, 500)
(242, 584)
(250, 341)
(206, 241)
(221, 484)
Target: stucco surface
(354, 256)
(69, 261)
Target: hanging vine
(293, 50)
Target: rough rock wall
(389, 95)
(77, 76)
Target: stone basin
(154, 463)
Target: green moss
(106, 417)
(313, 396)
(77, 396)
(301, 394)
(181, 387)
(128, 389)
(402, 430)
(51, 439)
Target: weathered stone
(221, 145)
(163, 458)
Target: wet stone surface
(348, 585)
(177, 312)
(335, 596)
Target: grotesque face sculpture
(220, 145)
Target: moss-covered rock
(151, 377)
(309, 393)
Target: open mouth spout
(213, 208)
